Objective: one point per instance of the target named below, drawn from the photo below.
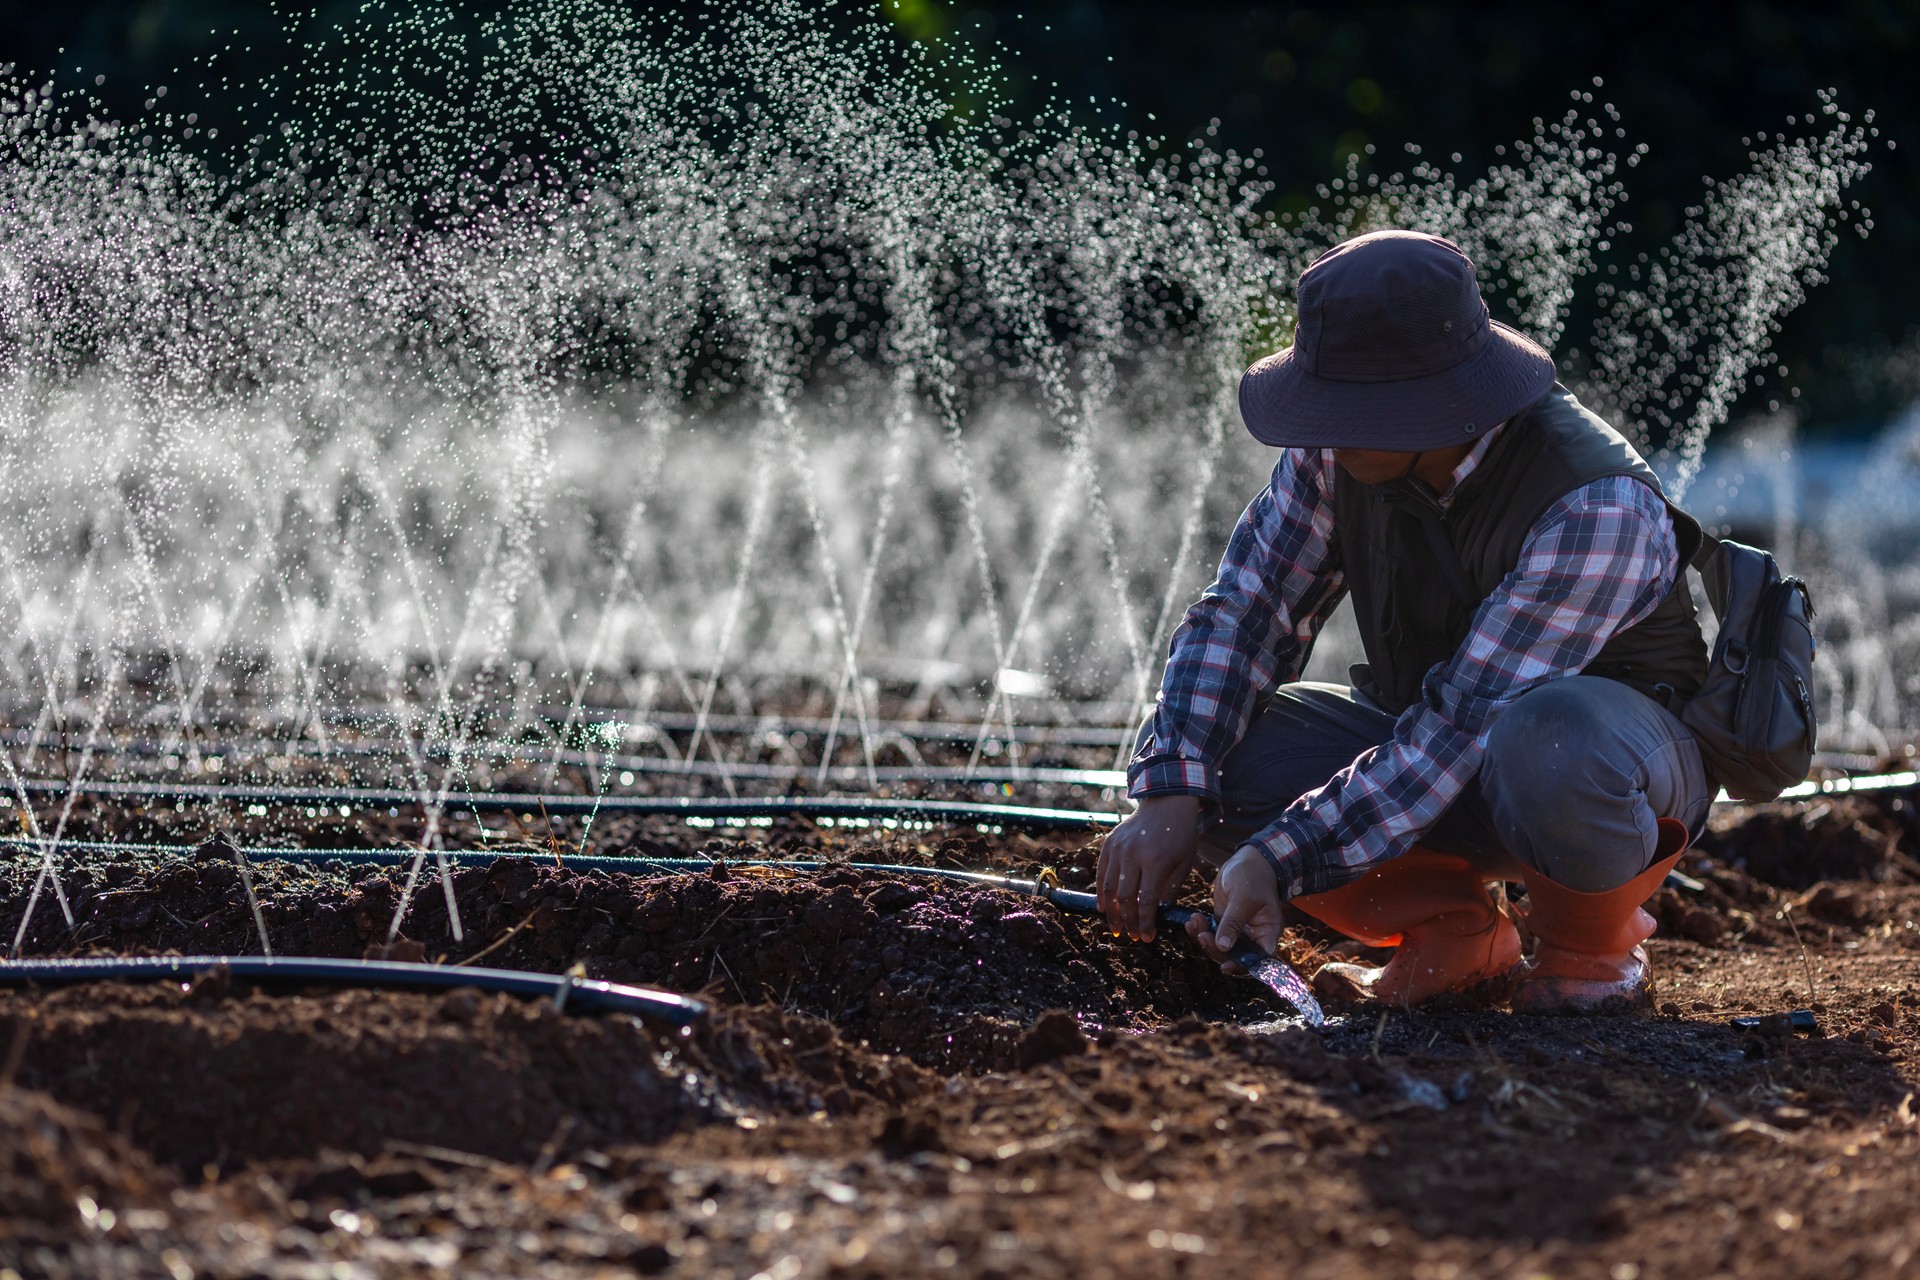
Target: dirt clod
(1054, 1035)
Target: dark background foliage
(1311, 84)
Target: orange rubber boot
(1435, 909)
(1587, 956)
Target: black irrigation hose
(582, 995)
(1024, 817)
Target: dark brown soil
(903, 1076)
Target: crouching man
(1518, 581)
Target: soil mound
(213, 1073)
(1871, 838)
(948, 974)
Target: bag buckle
(1736, 658)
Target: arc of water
(431, 840)
(400, 710)
(458, 740)
(921, 345)
(47, 869)
(444, 721)
(1125, 618)
(759, 511)
(435, 723)
(1205, 466)
(1742, 259)
(301, 668)
(954, 433)
(1047, 360)
(48, 847)
(1078, 472)
(796, 444)
(653, 456)
(66, 664)
(514, 553)
(210, 662)
(625, 585)
(1534, 219)
(574, 682)
(671, 661)
(1219, 262)
(307, 659)
(253, 899)
(1021, 292)
(11, 565)
(432, 802)
(611, 742)
(389, 510)
(899, 421)
(1228, 279)
(777, 387)
(914, 340)
(149, 584)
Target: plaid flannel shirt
(1596, 562)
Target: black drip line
(568, 992)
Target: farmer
(1517, 578)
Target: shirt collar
(1468, 465)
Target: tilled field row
(903, 1075)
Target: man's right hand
(1145, 859)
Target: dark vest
(1415, 604)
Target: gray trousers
(1576, 773)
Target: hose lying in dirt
(1021, 817)
(567, 991)
(1276, 975)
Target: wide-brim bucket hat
(1393, 349)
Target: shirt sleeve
(1252, 628)
(1598, 561)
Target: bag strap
(1711, 564)
(1704, 554)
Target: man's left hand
(1145, 860)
